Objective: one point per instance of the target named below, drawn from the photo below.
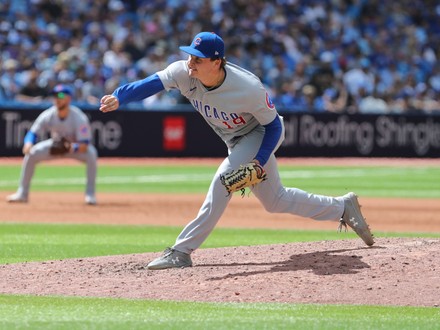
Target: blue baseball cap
(206, 45)
(60, 90)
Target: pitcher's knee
(36, 156)
(271, 207)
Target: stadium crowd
(356, 56)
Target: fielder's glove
(59, 146)
(245, 176)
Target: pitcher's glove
(245, 176)
(59, 146)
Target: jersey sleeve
(273, 136)
(40, 125)
(139, 90)
(175, 76)
(83, 133)
(83, 129)
(264, 109)
(265, 112)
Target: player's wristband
(75, 147)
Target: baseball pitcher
(236, 105)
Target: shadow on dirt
(320, 263)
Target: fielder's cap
(206, 45)
(61, 90)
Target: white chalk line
(167, 178)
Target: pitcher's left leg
(277, 199)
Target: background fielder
(62, 120)
(234, 102)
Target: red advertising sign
(174, 133)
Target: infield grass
(37, 242)
(24, 242)
(20, 312)
(413, 182)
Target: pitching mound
(396, 271)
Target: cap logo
(197, 41)
(216, 53)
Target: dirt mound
(383, 214)
(395, 271)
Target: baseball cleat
(16, 198)
(353, 217)
(90, 200)
(171, 259)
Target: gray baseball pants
(274, 197)
(40, 152)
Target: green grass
(21, 242)
(102, 313)
(37, 242)
(411, 182)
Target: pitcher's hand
(109, 103)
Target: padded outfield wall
(183, 133)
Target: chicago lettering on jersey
(230, 120)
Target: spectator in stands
(359, 77)
(426, 101)
(276, 40)
(371, 103)
(10, 79)
(434, 79)
(32, 92)
(291, 98)
(313, 102)
(335, 98)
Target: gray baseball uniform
(237, 111)
(235, 104)
(75, 128)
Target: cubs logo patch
(269, 102)
(197, 41)
(84, 129)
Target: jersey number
(236, 121)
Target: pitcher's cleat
(353, 217)
(16, 198)
(171, 259)
(90, 200)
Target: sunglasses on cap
(60, 95)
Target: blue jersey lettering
(230, 120)
(216, 116)
(196, 105)
(207, 109)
